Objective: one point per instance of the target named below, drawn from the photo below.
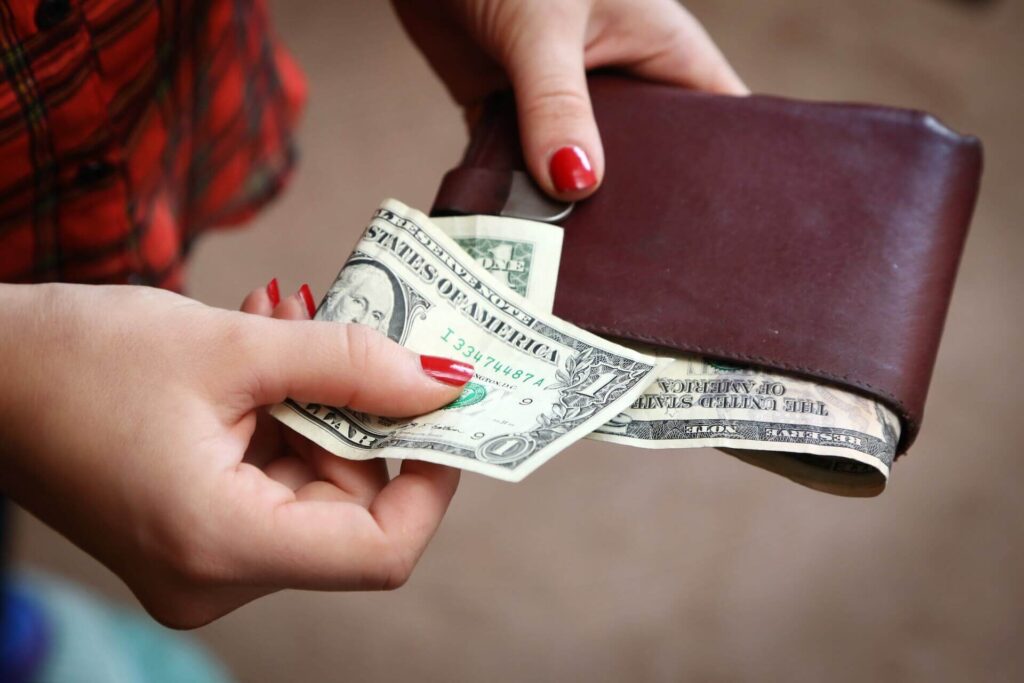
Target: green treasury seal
(473, 393)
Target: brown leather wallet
(811, 238)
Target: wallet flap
(819, 239)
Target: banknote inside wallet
(815, 239)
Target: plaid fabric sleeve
(128, 127)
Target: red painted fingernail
(274, 292)
(571, 170)
(307, 298)
(448, 371)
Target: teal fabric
(92, 642)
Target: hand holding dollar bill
(540, 384)
(481, 288)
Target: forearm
(53, 343)
(40, 334)
(20, 324)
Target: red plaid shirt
(129, 126)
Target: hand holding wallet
(820, 240)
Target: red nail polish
(448, 371)
(274, 292)
(307, 298)
(571, 170)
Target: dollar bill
(540, 383)
(814, 434)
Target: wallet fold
(811, 238)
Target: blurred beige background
(611, 564)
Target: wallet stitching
(904, 413)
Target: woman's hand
(130, 421)
(543, 48)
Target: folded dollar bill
(540, 384)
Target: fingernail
(447, 371)
(307, 298)
(571, 170)
(274, 292)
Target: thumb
(348, 365)
(560, 140)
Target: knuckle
(399, 571)
(215, 338)
(360, 345)
(235, 337)
(237, 343)
(556, 102)
(392, 569)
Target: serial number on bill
(486, 362)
